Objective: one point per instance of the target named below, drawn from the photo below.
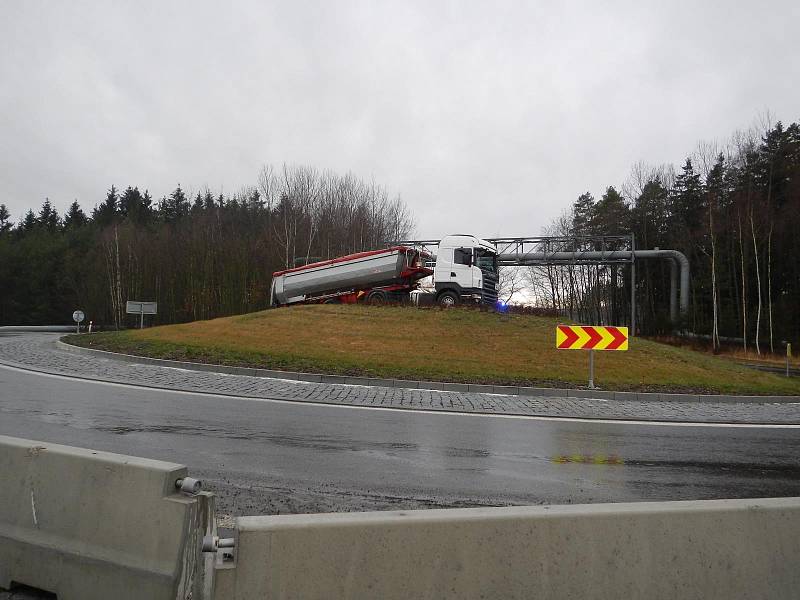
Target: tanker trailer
(376, 277)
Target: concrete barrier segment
(718, 549)
(85, 524)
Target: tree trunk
(744, 288)
(758, 282)
(715, 321)
(769, 288)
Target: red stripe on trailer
(414, 271)
(347, 258)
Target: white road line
(447, 413)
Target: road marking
(443, 412)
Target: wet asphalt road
(267, 457)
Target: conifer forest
(732, 208)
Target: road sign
(591, 337)
(141, 308)
(78, 316)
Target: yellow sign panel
(591, 337)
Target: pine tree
(28, 221)
(147, 207)
(611, 215)
(174, 207)
(107, 212)
(649, 215)
(582, 214)
(48, 217)
(687, 199)
(75, 216)
(129, 202)
(198, 206)
(5, 224)
(135, 206)
(254, 201)
(208, 201)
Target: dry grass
(736, 352)
(454, 345)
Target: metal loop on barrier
(188, 485)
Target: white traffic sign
(78, 316)
(141, 308)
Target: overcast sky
(487, 118)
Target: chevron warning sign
(591, 337)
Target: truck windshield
(486, 260)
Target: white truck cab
(465, 271)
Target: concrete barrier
(725, 549)
(85, 525)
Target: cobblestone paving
(38, 351)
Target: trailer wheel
(448, 299)
(377, 298)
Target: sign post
(78, 316)
(788, 356)
(133, 307)
(591, 338)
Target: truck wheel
(376, 298)
(448, 299)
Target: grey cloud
(487, 119)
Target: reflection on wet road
(264, 457)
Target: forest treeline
(198, 255)
(732, 209)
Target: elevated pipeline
(679, 267)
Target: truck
(463, 270)
(466, 271)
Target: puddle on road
(307, 442)
(588, 459)
(791, 471)
(756, 469)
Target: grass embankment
(735, 352)
(452, 345)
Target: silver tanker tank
(377, 268)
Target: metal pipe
(594, 256)
(633, 285)
(673, 291)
